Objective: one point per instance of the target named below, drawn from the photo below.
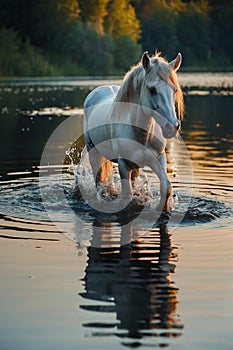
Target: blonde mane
(134, 78)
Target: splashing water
(84, 181)
(21, 196)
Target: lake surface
(167, 285)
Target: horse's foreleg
(165, 193)
(159, 167)
(125, 174)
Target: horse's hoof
(164, 218)
(137, 203)
(113, 195)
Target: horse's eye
(153, 91)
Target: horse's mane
(135, 76)
(132, 77)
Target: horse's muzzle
(170, 130)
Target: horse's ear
(146, 61)
(175, 64)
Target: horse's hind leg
(104, 176)
(134, 177)
(102, 173)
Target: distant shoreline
(201, 82)
(111, 77)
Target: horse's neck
(129, 91)
(128, 99)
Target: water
(141, 285)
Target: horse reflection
(136, 279)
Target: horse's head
(161, 92)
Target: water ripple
(23, 199)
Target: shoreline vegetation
(85, 77)
(104, 38)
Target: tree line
(100, 37)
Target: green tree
(19, 58)
(51, 19)
(193, 32)
(159, 27)
(9, 53)
(94, 13)
(221, 19)
(89, 49)
(40, 20)
(122, 20)
(69, 9)
(126, 53)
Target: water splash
(21, 198)
(84, 182)
(21, 194)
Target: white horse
(129, 124)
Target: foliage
(221, 22)
(107, 36)
(122, 20)
(94, 13)
(126, 53)
(159, 28)
(89, 49)
(22, 59)
(195, 38)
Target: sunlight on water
(141, 287)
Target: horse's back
(101, 94)
(96, 114)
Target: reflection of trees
(136, 278)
